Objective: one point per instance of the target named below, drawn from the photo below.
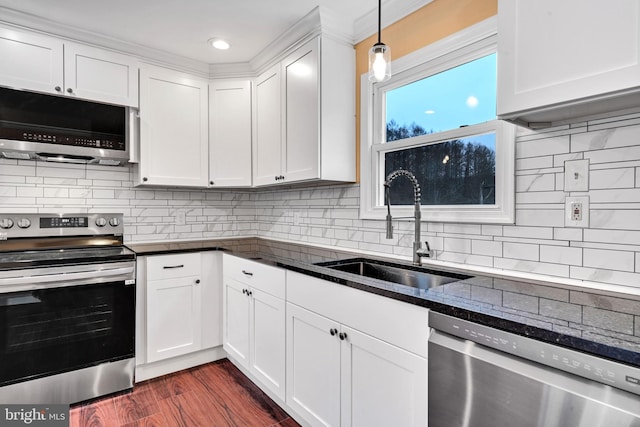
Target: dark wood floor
(212, 395)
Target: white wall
(606, 252)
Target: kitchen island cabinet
(47, 64)
(560, 60)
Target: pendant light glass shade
(379, 63)
(379, 55)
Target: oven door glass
(50, 331)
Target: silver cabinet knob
(58, 89)
(69, 90)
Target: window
(436, 118)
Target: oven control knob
(101, 222)
(6, 223)
(114, 222)
(24, 223)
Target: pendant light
(379, 55)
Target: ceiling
(182, 27)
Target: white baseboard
(175, 364)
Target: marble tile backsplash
(607, 252)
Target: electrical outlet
(576, 175)
(576, 212)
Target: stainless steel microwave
(62, 129)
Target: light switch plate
(576, 175)
(576, 212)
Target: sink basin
(407, 275)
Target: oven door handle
(62, 279)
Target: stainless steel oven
(67, 308)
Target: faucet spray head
(388, 203)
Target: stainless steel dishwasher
(484, 377)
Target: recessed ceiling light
(430, 112)
(219, 44)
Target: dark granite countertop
(602, 323)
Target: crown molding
(144, 53)
(231, 70)
(319, 21)
(392, 11)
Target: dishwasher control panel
(585, 365)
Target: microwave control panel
(48, 137)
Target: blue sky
(463, 95)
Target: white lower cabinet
(254, 325)
(354, 358)
(313, 366)
(173, 316)
(349, 357)
(338, 376)
(381, 384)
(179, 312)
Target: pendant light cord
(379, 19)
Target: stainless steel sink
(416, 277)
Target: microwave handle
(133, 135)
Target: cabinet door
(267, 335)
(174, 135)
(235, 334)
(230, 133)
(554, 52)
(268, 121)
(173, 317)
(301, 156)
(313, 367)
(100, 75)
(381, 384)
(30, 61)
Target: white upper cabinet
(46, 64)
(301, 142)
(230, 133)
(267, 159)
(307, 133)
(559, 60)
(174, 137)
(31, 61)
(100, 75)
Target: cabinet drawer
(173, 265)
(257, 275)
(401, 324)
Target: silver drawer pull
(173, 266)
(248, 273)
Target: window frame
(467, 45)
